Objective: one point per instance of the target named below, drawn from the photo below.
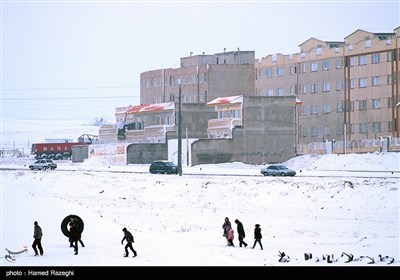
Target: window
(376, 81)
(339, 129)
(325, 87)
(280, 71)
(377, 126)
(281, 92)
(363, 128)
(293, 69)
(376, 103)
(390, 102)
(314, 88)
(319, 50)
(352, 128)
(304, 132)
(327, 130)
(339, 107)
(352, 61)
(389, 56)
(327, 108)
(205, 96)
(314, 131)
(339, 63)
(270, 92)
(363, 82)
(367, 42)
(314, 66)
(270, 72)
(314, 110)
(390, 126)
(376, 57)
(304, 67)
(362, 104)
(291, 91)
(389, 79)
(304, 89)
(205, 76)
(304, 110)
(339, 85)
(362, 60)
(352, 83)
(352, 105)
(259, 74)
(325, 65)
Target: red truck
(60, 150)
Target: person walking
(230, 237)
(241, 233)
(129, 239)
(257, 236)
(74, 236)
(226, 226)
(76, 224)
(37, 235)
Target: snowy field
(177, 220)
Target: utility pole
(180, 131)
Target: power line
(69, 98)
(70, 88)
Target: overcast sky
(80, 60)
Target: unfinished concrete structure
(267, 134)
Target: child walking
(257, 236)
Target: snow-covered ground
(177, 220)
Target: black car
(163, 167)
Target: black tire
(283, 174)
(31, 168)
(168, 171)
(44, 168)
(65, 222)
(265, 173)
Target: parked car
(277, 170)
(43, 164)
(160, 166)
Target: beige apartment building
(201, 78)
(362, 70)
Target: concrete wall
(80, 153)
(195, 117)
(267, 135)
(146, 153)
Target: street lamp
(180, 129)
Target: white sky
(80, 60)
(177, 220)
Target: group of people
(75, 237)
(229, 233)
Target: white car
(43, 164)
(277, 170)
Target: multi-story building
(362, 70)
(201, 78)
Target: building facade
(201, 78)
(348, 89)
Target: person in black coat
(74, 236)
(257, 236)
(241, 234)
(37, 235)
(76, 224)
(129, 239)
